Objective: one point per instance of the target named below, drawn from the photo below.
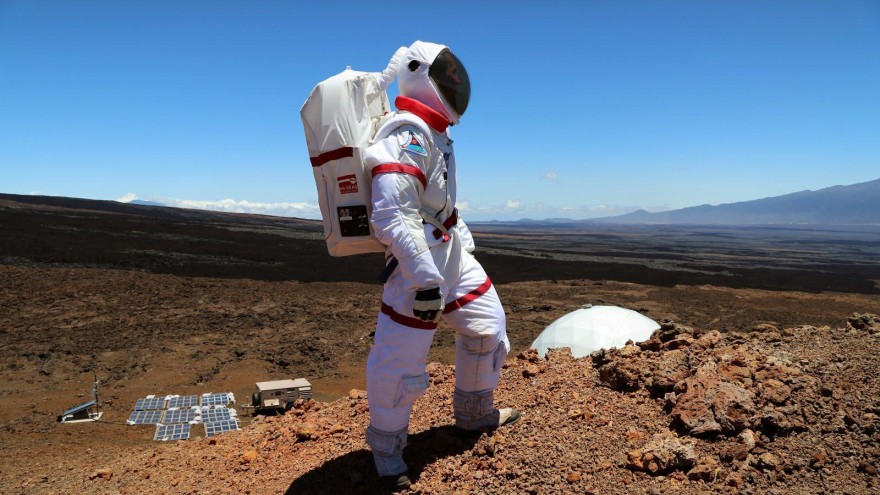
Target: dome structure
(595, 327)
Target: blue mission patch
(413, 145)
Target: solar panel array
(179, 416)
(218, 427)
(214, 414)
(144, 417)
(174, 415)
(221, 399)
(179, 431)
(181, 401)
(150, 403)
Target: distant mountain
(857, 204)
(145, 203)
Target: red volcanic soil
(783, 398)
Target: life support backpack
(340, 117)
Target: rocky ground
(775, 410)
(765, 385)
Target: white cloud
(549, 175)
(612, 209)
(512, 209)
(282, 209)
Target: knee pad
(501, 353)
(411, 388)
(391, 400)
(486, 347)
(479, 371)
(482, 346)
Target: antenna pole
(95, 393)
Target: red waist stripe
(408, 321)
(470, 296)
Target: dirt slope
(791, 410)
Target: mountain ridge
(855, 204)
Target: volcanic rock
(864, 322)
(662, 453)
(705, 403)
(706, 469)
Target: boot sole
(512, 419)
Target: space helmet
(433, 75)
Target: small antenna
(95, 392)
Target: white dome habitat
(595, 327)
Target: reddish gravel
(811, 426)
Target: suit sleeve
(399, 178)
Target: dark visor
(452, 80)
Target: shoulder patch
(413, 144)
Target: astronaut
(433, 274)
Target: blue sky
(579, 109)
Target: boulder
(776, 392)
(671, 368)
(867, 322)
(664, 452)
(704, 403)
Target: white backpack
(340, 118)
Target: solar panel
(150, 403)
(218, 427)
(181, 401)
(179, 416)
(144, 417)
(220, 399)
(172, 432)
(214, 414)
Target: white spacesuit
(414, 215)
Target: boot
(395, 483)
(387, 450)
(475, 411)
